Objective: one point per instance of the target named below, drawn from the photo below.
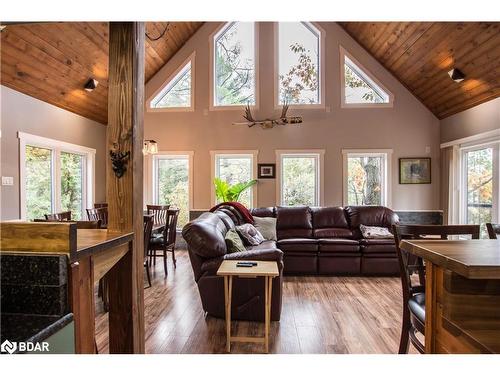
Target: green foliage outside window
(38, 182)
(173, 186)
(299, 181)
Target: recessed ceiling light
(91, 84)
(456, 75)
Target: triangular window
(360, 87)
(177, 93)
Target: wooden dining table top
(474, 259)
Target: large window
(178, 93)
(480, 185)
(55, 176)
(236, 167)
(299, 63)
(360, 88)
(300, 178)
(366, 177)
(172, 182)
(234, 65)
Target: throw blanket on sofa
(242, 210)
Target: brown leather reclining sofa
(311, 241)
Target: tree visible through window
(177, 93)
(234, 71)
(173, 184)
(234, 169)
(72, 184)
(359, 87)
(479, 170)
(366, 179)
(38, 179)
(299, 68)
(299, 180)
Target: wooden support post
(124, 194)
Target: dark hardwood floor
(320, 315)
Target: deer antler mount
(269, 123)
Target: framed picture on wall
(267, 171)
(414, 170)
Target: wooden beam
(124, 194)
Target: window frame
(344, 53)
(462, 178)
(190, 59)
(386, 154)
(319, 154)
(214, 154)
(211, 80)
(322, 68)
(88, 172)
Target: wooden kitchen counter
(462, 305)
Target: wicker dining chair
(59, 216)
(413, 291)
(493, 230)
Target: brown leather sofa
(311, 241)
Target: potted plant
(230, 193)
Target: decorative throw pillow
(266, 226)
(375, 232)
(234, 243)
(250, 234)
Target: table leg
(228, 288)
(266, 315)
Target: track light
(456, 75)
(91, 85)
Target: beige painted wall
(407, 128)
(20, 112)
(479, 119)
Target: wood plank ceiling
(420, 54)
(53, 61)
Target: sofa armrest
(211, 266)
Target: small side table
(267, 270)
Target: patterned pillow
(266, 226)
(250, 234)
(234, 243)
(375, 232)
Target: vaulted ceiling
(420, 54)
(53, 61)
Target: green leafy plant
(231, 193)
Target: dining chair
(148, 228)
(414, 287)
(493, 230)
(101, 205)
(100, 213)
(166, 241)
(59, 216)
(159, 213)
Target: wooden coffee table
(265, 269)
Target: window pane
(38, 182)
(177, 93)
(236, 169)
(72, 184)
(299, 181)
(479, 169)
(235, 65)
(299, 46)
(173, 185)
(364, 180)
(359, 88)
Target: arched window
(300, 51)
(234, 65)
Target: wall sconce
(456, 75)
(91, 85)
(150, 147)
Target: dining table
(462, 294)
